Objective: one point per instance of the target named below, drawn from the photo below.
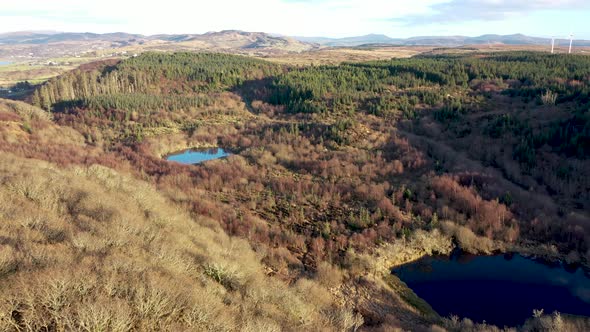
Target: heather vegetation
(338, 173)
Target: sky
(327, 18)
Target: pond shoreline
(194, 156)
(442, 241)
(415, 250)
(452, 284)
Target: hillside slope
(89, 248)
(258, 41)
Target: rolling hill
(234, 40)
(243, 40)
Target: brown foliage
(88, 248)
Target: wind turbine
(571, 42)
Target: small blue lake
(5, 63)
(197, 156)
(502, 290)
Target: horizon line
(49, 32)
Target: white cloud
(327, 17)
(333, 18)
(489, 10)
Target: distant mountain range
(231, 39)
(47, 44)
(446, 41)
(52, 43)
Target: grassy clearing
(331, 56)
(38, 71)
(35, 74)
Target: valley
(337, 166)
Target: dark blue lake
(197, 156)
(502, 290)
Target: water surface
(197, 156)
(5, 63)
(502, 290)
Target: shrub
(549, 98)
(145, 265)
(328, 275)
